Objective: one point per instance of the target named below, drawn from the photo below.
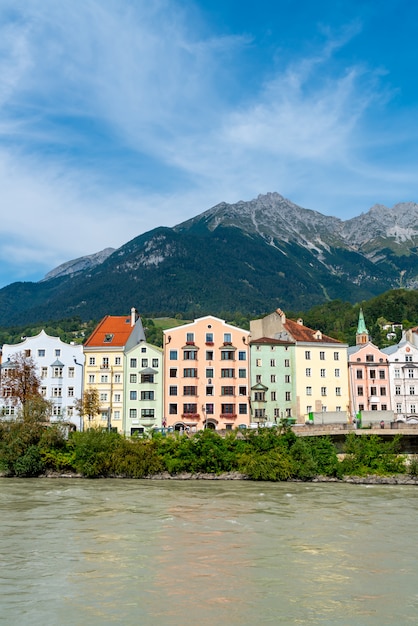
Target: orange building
(206, 374)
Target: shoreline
(371, 479)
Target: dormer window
(108, 338)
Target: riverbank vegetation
(28, 448)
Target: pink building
(206, 374)
(368, 369)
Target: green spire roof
(361, 328)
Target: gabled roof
(271, 342)
(113, 331)
(299, 332)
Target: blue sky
(118, 116)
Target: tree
(20, 381)
(89, 405)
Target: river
(82, 552)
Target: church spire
(362, 335)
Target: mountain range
(250, 257)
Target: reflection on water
(179, 553)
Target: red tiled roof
(270, 341)
(117, 325)
(302, 333)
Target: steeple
(362, 334)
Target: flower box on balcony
(231, 416)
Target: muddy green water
(207, 553)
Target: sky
(120, 116)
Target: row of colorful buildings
(210, 374)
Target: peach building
(206, 374)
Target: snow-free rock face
(80, 265)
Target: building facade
(403, 376)
(104, 365)
(60, 368)
(206, 374)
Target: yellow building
(104, 365)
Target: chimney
(134, 316)
(282, 316)
(300, 321)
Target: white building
(60, 367)
(403, 376)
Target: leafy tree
(20, 381)
(89, 405)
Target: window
(209, 408)
(411, 391)
(209, 355)
(336, 356)
(173, 372)
(44, 372)
(108, 338)
(43, 392)
(227, 391)
(92, 360)
(308, 355)
(155, 362)
(260, 413)
(190, 372)
(147, 395)
(397, 390)
(56, 392)
(259, 396)
(70, 411)
(373, 391)
(172, 390)
(144, 362)
(242, 391)
(116, 415)
(190, 355)
(273, 378)
(381, 374)
(337, 391)
(273, 396)
(308, 372)
(242, 355)
(41, 352)
(227, 409)
(338, 408)
(308, 391)
(103, 378)
(242, 373)
(382, 391)
(132, 395)
(105, 362)
(148, 413)
(360, 391)
(209, 337)
(58, 353)
(372, 374)
(337, 373)
(323, 391)
(70, 392)
(132, 378)
(242, 409)
(272, 362)
(91, 378)
(209, 372)
(57, 372)
(397, 373)
(361, 407)
(408, 358)
(116, 397)
(56, 410)
(143, 350)
(189, 337)
(322, 356)
(227, 338)
(103, 397)
(369, 358)
(399, 408)
(359, 374)
(117, 378)
(309, 408)
(258, 362)
(287, 362)
(413, 408)
(132, 363)
(323, 373)
(258, 378)
(209, 390)
(132, 414)
(227, 373)
(227, 355)
(117, 360)
(410, 373)
(172, 409)
(189, 408)
(287, 396)
(384, 407)
(71, 372)
(147, 378)
(173, 355)
(190, 390)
